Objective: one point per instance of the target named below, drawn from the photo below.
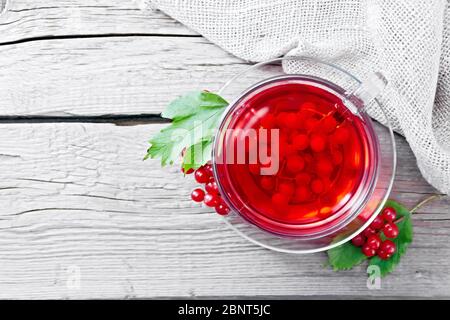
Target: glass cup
(374, 182)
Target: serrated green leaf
(345, 256)
(197, 155)
(192, 103)
(195, 118)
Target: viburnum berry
(386, 250)
(222, 209)
(369, 231)
(311, 123)
(286, 188)
(328, 124)
(317, 186)
(290, 120)
(341, 135)
(318, 142)
(280, 199)
(211, 200)
(359, 240)
(300, 141)
(324, 167)
(188, 171)
(377, 223)
(303, 178)
(197, 195)
(280, 119)
(295, 163)
(268, 121)
(389, 214)
(211, 187)
(302, 194)
(267, 183)
(209, 169)
(390, 230)
(368, 250)
(201, 175)
(374, 241)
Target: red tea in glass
(324, 155)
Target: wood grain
(79, 196)
(25, 20)
(98, 76)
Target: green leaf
(345, 256)
(195, 118)
(192, 103)
(197, 155)
(402, 242)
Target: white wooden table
(82, 216)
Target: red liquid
(326, 162)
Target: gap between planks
(124, 120)
(90, 36)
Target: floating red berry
(341, 135)
(359, 240)
(211, 200)
(286, 119)
(324, 167)
(302, 194)
(318, 142)
(197, 195)
(317, 186)
(267, 183)
(268, 121)
(368, 251)
(201, 175)
(390, 230)
(311, 123)
(280, 199)
(286, 188)
(295, 164)
(389, 214)
(374, 241)
(300, 141)
(328, 124)
(303, 178)
(290, 120)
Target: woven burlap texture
(407, 40)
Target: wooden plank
(77, 199)
(86, 77)
(25, 20)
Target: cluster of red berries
(370, 240)
(210, 196)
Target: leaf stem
(426, 200)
